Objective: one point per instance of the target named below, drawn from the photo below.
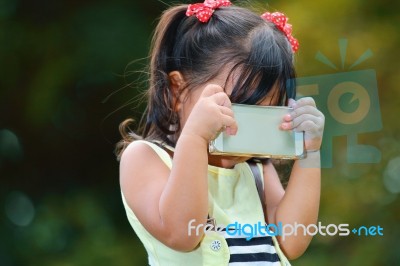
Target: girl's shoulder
(143, 150)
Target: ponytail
(160, 113)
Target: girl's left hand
(306, 117)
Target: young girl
(203, 58)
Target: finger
(300, 119)
(230, 124)
(227, 111)
(303, 102)
(211, 89)
(298, 111)
(222, 99)
(291, 102)
(307, 126)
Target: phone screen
(259, 134)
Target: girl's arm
(299, 204)
(166, 201)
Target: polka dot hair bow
(280, 20)
(204, 11)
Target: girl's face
(190, 98)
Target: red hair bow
(204, 11)
(280, 20)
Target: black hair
(234, 38)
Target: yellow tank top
(233, 197)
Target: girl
(203, 58)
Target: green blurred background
(63, 94)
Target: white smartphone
(259, 134)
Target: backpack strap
(259, 183)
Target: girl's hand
(211, 115)
(306, 117)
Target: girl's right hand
(211, 115)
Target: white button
(215, 245)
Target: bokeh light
(19, 208)
(10, 146)
(392, 175)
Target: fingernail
(230, 131)
(288, 117)
(234, 132)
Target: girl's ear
(177, 84)
(176, 80)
